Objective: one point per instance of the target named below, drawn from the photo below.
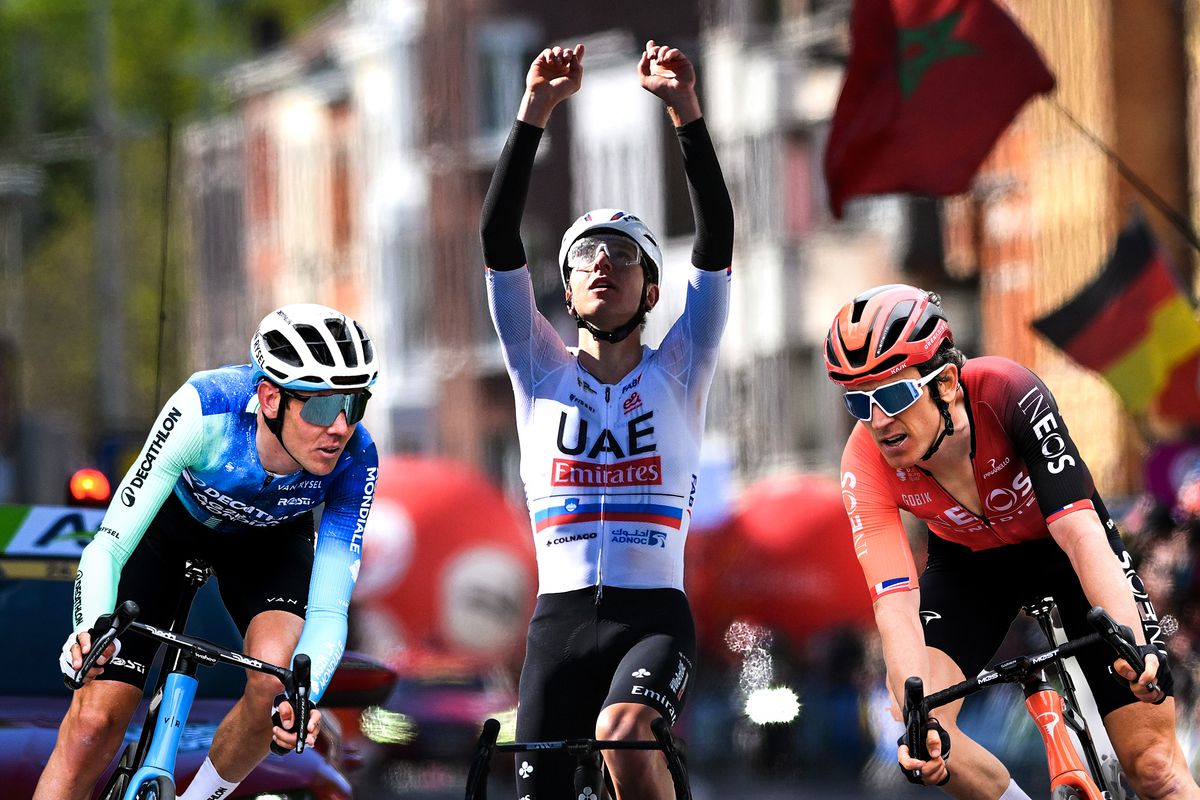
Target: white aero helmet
(311, 347)
(616, 221)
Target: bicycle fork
(1046, 707)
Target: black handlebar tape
(477, 776)
(491, 732)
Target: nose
(602, 260)
(879, 419)
(339, 426)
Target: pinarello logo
(637, 472)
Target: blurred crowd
(845, 729)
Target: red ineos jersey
(609, 469)
(1028, 473)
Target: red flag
(930, 86)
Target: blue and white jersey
(203, 449)
(609, 469)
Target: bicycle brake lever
(113, 625)
(916, 719)
(301, 700)
(1120, 638)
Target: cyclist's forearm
(324, 641)
(711, 206)
(1082, 537)
(504, 205)
(898, 618)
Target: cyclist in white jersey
(610, 439)
(237, 461)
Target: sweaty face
(316, 447)
(904, 438)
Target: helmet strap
(947, 427)
(275, 425)
(621, 332)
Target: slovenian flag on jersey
(889, 586)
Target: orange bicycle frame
(1045, 706)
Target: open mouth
(894, 441)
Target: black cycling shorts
(634, 646)
(970, 598)
(259, 569)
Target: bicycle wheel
(160, 788)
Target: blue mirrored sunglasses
(892, 398)
(323, 409)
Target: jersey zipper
(603, 509)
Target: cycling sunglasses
(323, 409)
(892, 398)
(622, 251)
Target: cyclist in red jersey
(977, 450)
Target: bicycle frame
(1046, 707)
(1044, 703)
(196, 574)
(154, 755)
(1061, 757)
(179, 692)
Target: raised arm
(669, 75)
(554, 75)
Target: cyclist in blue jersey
(610, 439)
(238, 459)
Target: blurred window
(504, 51)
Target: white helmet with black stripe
(310, 347)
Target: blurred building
(353, 168)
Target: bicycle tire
(158, 788)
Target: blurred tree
(167, 58)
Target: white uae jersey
(609, 470)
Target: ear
(948, 382)
(570, 305)
(268, 398)
(652, 294)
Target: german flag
(1134, 326)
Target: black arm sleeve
(711, 207)
(504, 205)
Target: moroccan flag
(930, 86)
(1134, 326)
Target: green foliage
(168, 59)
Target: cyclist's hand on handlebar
(934, 772)
(286, 738)
(1145, 687)
(70, 660)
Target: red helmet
(882, 331)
